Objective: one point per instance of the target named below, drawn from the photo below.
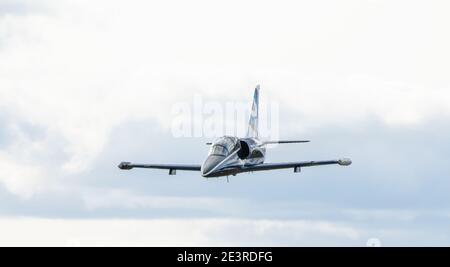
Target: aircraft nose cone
(210, 163)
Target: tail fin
(253, 122)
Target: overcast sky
(85, 85)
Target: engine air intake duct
(244, 151)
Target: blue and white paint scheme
(230, 155)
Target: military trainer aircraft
(230, 155)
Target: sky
(85, 85)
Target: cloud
(169, 232)
(21, 7)
(78, 71)
(13, 173)
(399, 215)
(117, 198)
(86, 84)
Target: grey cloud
(21, 7)
(392, 166)
(397, 184)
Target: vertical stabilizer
(253, 122)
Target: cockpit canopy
(223, 146)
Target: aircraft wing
(171, 167)
(295, 165)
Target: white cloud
(81, 68)
(19, 177)
(118, 198)
(20, 172)
(386, 215)
(173, 232)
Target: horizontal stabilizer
(285, 142)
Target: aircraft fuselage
(230, 155)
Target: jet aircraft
(231, 155)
